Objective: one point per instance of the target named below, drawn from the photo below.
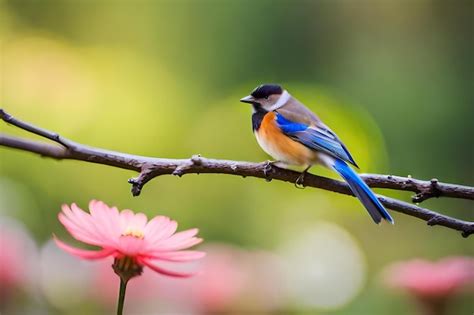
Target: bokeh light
(325, 267)
(66, 281)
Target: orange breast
(280, 146)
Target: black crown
(265, 90)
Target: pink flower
(18, 255)
(218, 287)
(130, 238)
(432, 283)
(11, 262)
(231, 280)
(432, 279)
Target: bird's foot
(299, 183)
(267, 169)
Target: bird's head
(267, 96)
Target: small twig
(33, 129)
(149, 168)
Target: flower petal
(164, 271)
(82, 253)
(181, 256)
(139, 221)
(85, 221)
(156, 224)
(77, 232)
(79, 224)
(106, 219)
(126, 216)
(130, 220)
(130, 246)
(175, 247)
(180, 237)
(160, 228)
(181, 240)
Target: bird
(295, 136)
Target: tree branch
(424, 189)
(149, 168)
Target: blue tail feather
(362, 191)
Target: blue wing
(315, 137)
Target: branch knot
(181, 169)
(428, 192)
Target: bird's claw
(267, 169)
(299, 183)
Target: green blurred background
(163, 78)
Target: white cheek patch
(284, 98)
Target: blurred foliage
(163, 78)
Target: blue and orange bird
(293, 135)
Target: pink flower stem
(121, 299)
(126, 268)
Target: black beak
(248, 99)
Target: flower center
(130, 231)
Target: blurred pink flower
(17, 257)
(231, 280)
(130, 238)
(220, 283)
(432, 283)
(11, 262)
(432, 279)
